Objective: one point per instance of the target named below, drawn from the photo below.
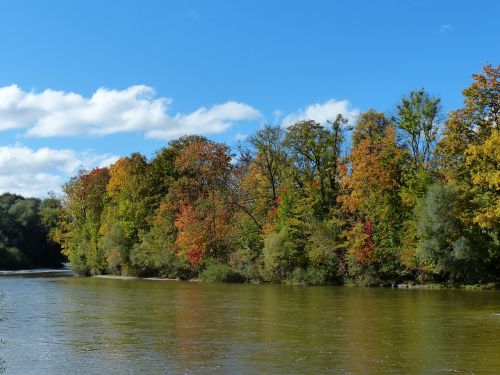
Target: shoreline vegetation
(66, 272)
(433, 286)
(25, 224)
(408, 198)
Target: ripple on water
(90, 326)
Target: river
(79, 326)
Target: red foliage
(366, 253)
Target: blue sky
(84, 82)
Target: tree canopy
(25, 227)
(379, 200)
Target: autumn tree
(469, 155)
(483, 162)
(472, 124)
(372, 199)
(201, 195)
(291, 207)
(80, 225)
(126, 212)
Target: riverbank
(486, 286)
(117, 277)
(67, 272)
(43, 272)
(436, 286)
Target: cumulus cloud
(321, 112)
(34, 173)
(53, 113)
(217, 119)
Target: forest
(24, 232)
(407, 197)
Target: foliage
(484, 165)
(80, 224)
(25, 228)
(372, 199)
(280, 255)
(417, 118)
(445, 242)
(221, 273)
(392, 201)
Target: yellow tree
(125, 217)
(483, 162)
(470, 125)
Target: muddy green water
(101, 326)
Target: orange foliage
(191, 237)
(375, 169)
(203, 219)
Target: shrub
(221, 273)
(280, 255)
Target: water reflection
(95, 326)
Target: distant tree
(24, 235)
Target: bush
(280, 255)
(221, 273)
(246, 263)
(323, 253)
(310, 276)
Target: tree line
(25, 224)
(407, 197)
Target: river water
(101, 326)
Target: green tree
(24, 236)
(454, 251)
(268, 156)
(418, 117)
(80, 225)
(314, 152)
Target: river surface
(100, 326)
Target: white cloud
(33, 173)
(321, 112)
(136, 109)
(218, 119)
(446, 29)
